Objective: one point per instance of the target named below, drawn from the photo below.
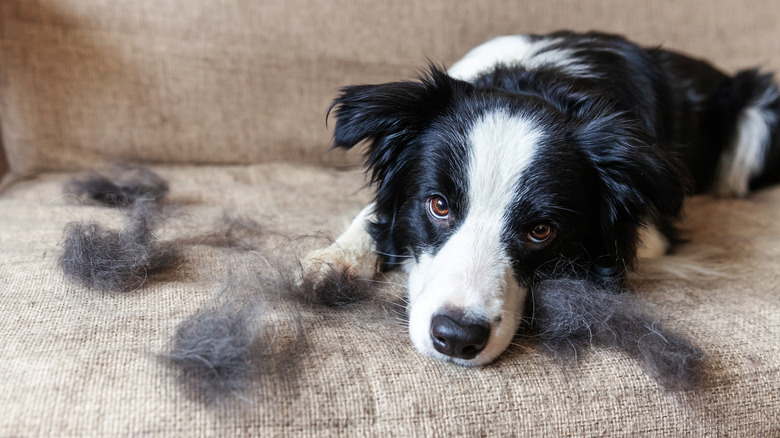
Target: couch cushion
(81, 362)
(199, 81)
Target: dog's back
(725, 129)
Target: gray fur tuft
(571, 314)
(130, 185)
(111, 260)
(216, 348)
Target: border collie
(533, 151)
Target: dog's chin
(500, 339)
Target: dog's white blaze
(744, 159)
(517, 50)
(473, 270)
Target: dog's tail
(749, 103)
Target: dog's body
(537, 151)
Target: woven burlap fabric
(81, 362)
(201, 81)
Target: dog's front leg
(353, 252)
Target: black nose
(455, 336)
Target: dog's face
(477, 228)
(485, 190)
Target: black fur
(615, 180)
(610, 138)
(622, 150)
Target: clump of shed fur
(128, 186)
(217, 348)
(116, 260)
(329, 286)
(220, 349)
(571, 314)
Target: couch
(227, 100)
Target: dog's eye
(438, 207)
(541, 233)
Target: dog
(534, 151)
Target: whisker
(386, 282)
(400, 295)
(401, 305)
(521, 346)
(400, 256)
(403, 322)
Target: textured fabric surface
(203, 81)
(80, 362)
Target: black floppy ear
(390, 116)
(640, 182)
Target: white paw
(320, 264)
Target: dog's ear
(639, 181)
(390, 117)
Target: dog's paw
(334, 277)
(322, 264)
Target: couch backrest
(84, 82)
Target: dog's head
(480, 190)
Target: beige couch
(227, 100)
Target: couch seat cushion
(83, 362)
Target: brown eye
(540, 233)
(438, 207)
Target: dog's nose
(454, 336)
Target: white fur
(695, 263)
(745, 158)
(652, 243)
(472, 271)
(517, 50)
(353, 250)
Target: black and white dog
(533, 150)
